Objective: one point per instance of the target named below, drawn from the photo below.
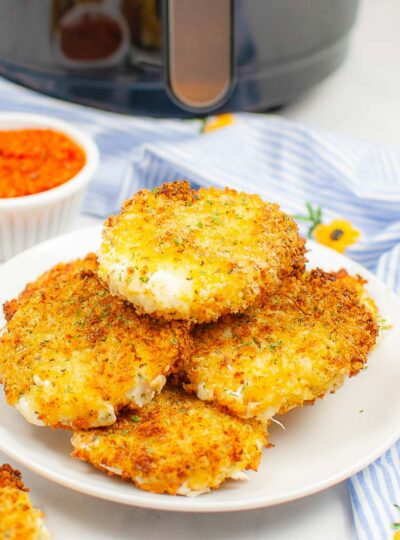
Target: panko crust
(10, 477)
(358, 283)
(176, 444)
(178, 253)
(299, 345)
(72, 355)
(18, 519)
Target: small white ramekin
(28, 220)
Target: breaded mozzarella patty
(301, 344)
(72, 354)
(19, 520)
(176, 444)
(183, 254)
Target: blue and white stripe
(374, 493)
(285, 163)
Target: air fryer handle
(199, 51)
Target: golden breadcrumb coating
(72, 354)
(358, 284)
(176, 444)
(183, 254)
(18, 519)
(301, 344)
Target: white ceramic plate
(321, 446)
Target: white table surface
(361, 99)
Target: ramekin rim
(71, 186)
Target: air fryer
(174, 57)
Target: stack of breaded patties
(208, 287)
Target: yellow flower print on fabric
(338, 235)
(217, 122)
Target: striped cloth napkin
(328, 181)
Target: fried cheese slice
(72, 355)
(176, 444)
(19, 520)
(301, 344)
(178, 253)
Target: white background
(361, 99)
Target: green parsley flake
(396, 525)
(384, 324)
(275, 345)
